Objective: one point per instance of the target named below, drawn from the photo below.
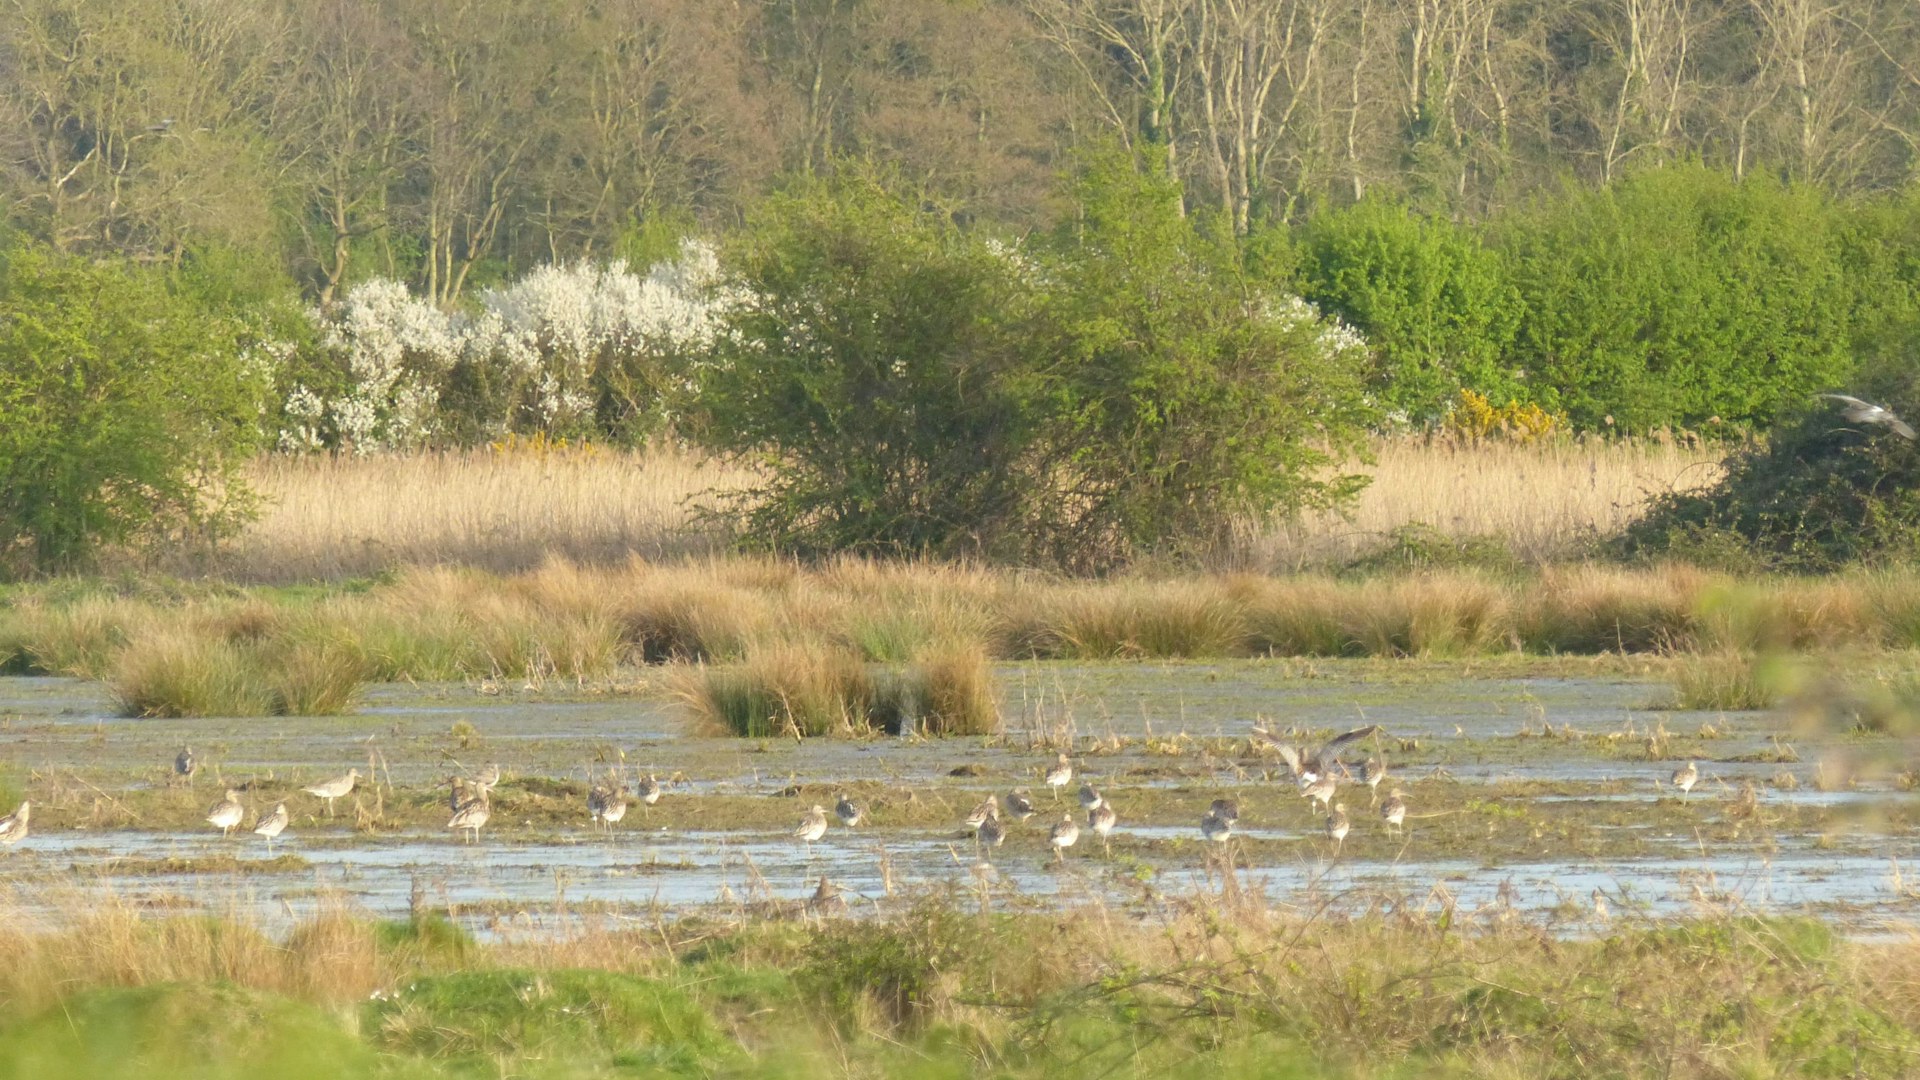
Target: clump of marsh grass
(1130, 620)
(956, 691)
(784, 690)
(314, 678)
(79, 638)
(187, 674)
(1728, 679)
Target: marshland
(1015, 538)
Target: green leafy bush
(1434, 303)
(1678, 297)
(124, 409)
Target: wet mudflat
(1530, 787)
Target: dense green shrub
(1434, 303)
(1820, 493)
(125, 405)
(1181, 395)
(873, 365)
(1679, 296)
(1122, 388)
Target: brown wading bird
(1321, 764)
(990, 835)
(1063, 836)
(988, 809)
(335, 788)
(1101, 819)
(472, 815)
(1089, 797)
(650, 791)
(1019, 804)
(183, 765)
(1394, 810)
(1866, 412)
(1337, 827)
(225, 815)
(812, 827)
(1684, 779)
(1059, 776)
(273, 825)
(13, 827)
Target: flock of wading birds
(1317, 775)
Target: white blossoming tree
(571, 350)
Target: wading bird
(607, 805)
(1059, 776)
(848, 811)
(1089, 798)
(472, 814)
(1320, 764)
(1225, 809)
(1101, 819)
(273, 825)
(650, 791)
(812, 827)
(988, 809)
(225, 815)
(991, 834)
(1394, 810)
(1020, 804)
(1684, 779)
(13, 827)
(1866, 412)
(1216, 829)
(1338, 827)
(1371, 773)
(1063, 836)
(183, 765)
(335, 788)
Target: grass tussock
(1728, 679)
(930, 986)
(811, 691)
(759, 620)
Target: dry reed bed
(1212, 983)
(331, 518)
(781, 627)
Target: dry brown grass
(1541, 502)
(327, 518)
(331, 518)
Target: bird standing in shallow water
(812, 827)
(1216, 829)
(1394, 810)
(1338, 826)
(848, 811)
(473, 814)
(183, 766)
(649, 791)
(1321, 790)
(273, 825)
(987, 809)
(1374, 771)
(13, 827)
(991, 834)
(606, 805)
(1684, 779)
(335, 788)
(1059, 776)
(1089, 797)
(1101, 819)
(1063, 836)
(226, 813)
(1019, 804)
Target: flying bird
(1320, 763)
(1866, 412)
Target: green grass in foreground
(939, 988)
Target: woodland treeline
(456, 143)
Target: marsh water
(1529, 791)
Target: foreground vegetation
(940, 986)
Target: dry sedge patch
(334, 517)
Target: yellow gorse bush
(1475, 418)
(541, 445)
